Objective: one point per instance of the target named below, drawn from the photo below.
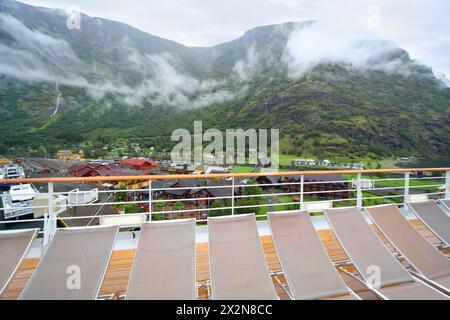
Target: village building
(268, 180)
(139, 164)
(319, 182)
(68, 155)
(5, 161)
(206, 169)
(214, 191)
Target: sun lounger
(433, 217)
(445, 203)
(433, 265)
(164, 264)
(237, 263)
(380, 269)
(309, 272)
(14, 245)
(73, 266)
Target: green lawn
(420, 184)
(413, 182)
(242, 169)
(285, 159)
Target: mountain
(111, 84)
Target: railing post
(359, 201)
(49, 218)
(406, 197)
(447, 185)
(232, 196)
(150, 196)
(302, 180)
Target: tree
(160, 206)
(179, 205)
(250, 201)
(3, 148)
(121, 196)
(131, 208)
(216, 204)
(42, 151)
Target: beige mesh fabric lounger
(446, 203)
(73, 266)
(14, 245)
(237, 264)
(164, 264)
(371, 258)
(421, 254)
(309, 272)
(433, 217)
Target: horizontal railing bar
(71, 205)
(214, 175)
(401, 178)
(428, 178)
(190, 199)
(81, 193)
(401, 195)
(191, 187)
(210, 209)
(384, 197)
(210, 198)
(400, 187)
(85, 192)
(426, 186)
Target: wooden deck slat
(119, 269)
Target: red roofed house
(139, 164)
(88, 170)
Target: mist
(327, 42)
(30, 55)
(36, 57)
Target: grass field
(242, 169)
(428, 185)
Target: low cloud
(167, 86)
(246, 67)
(34, 56)
(30, 55)
(324, 42)
(37, 57)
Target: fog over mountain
(107, 57)
(332, 89)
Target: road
(36, 164)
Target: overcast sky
(422, 27)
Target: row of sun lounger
(74, 264)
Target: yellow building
(4, 161)
(68, 155)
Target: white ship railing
(357, 188)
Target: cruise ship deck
(118, 272)
(119, 269)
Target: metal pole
(49, 218)
(302, 180)
(406, 197)
(150, 200)
(447, 185)
(232, 196)
(359, 201)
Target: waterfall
(57, 100)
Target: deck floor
(119, 269)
